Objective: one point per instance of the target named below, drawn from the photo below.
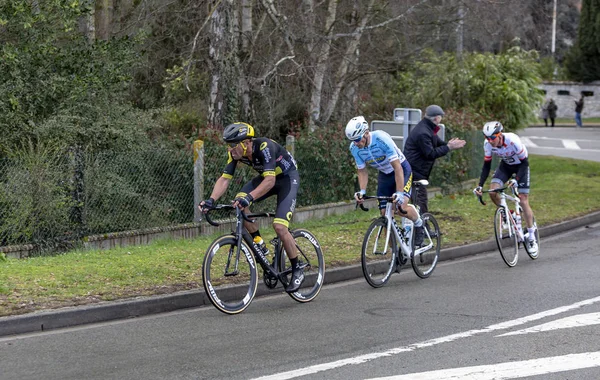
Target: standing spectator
(423, 146)
(578, 109)
(544, 112)
(552, 107)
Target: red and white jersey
(512, 151)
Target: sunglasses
(492, 137)
(232, 145)
(357, 140)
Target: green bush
(35, 200)
(501, 86)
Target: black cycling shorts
(286, 188)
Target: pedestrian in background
(544, 112)
(552, 107)
(578, 110)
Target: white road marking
(552, 138)
(509, 370)
(579, 320)
(428, 343)
(528, 143)
(571, 144)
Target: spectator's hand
(243, 202)
(477, 191)
(456, 143)
(207, 205)
(359, 196)
(398, 197)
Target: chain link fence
(53, 200)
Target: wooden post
(198, 177)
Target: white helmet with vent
(492, 128)
(356, 128)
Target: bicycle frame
(512, 184)
(256, 255)
(398, 231)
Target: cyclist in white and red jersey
(513, 154)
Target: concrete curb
(109, 311)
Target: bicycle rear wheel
(311, 258)
(378, 260)
(533, 255)
(425, 259)
(506, 238)
(229, 282)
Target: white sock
(531, 232)
(419, 222)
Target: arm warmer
(485, 172)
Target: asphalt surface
(131, 308)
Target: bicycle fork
(509, 219)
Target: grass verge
(561, 189)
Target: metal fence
(55, 199)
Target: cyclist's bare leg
(411, 211)
(286, 238)
(527, 212)
(251, 227)
(494, 196)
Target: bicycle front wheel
(378, 257)
(506, 238)
(310, 257)
(229, 276)
(426, 257)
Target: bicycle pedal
(234, 273)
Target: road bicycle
(229, 270)
(387, 246)
(508, 228)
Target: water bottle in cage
(518, 221)
(407, 225)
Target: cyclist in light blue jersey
(378, 150)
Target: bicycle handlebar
(389, 199)
(238, 212)
(510, 185)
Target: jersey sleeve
(267, 156)
(520, 148)
(360, 163)
(230, 167)
(487, 151)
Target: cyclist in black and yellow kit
(278, 175)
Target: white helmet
(356, 128)
(492, 128)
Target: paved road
(540, 317)
(579, 143)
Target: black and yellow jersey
(268, 158)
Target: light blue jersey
(379, 153)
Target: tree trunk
(321, 66)
(351, 56)
(86, 23)
(103, 16)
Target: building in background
(565, 94)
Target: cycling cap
(237, 132)
(434, 110)
(356, 128)
(492, 128)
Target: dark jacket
(552, 107)
(579, 105)
(422, 147)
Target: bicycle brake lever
(481, 200)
